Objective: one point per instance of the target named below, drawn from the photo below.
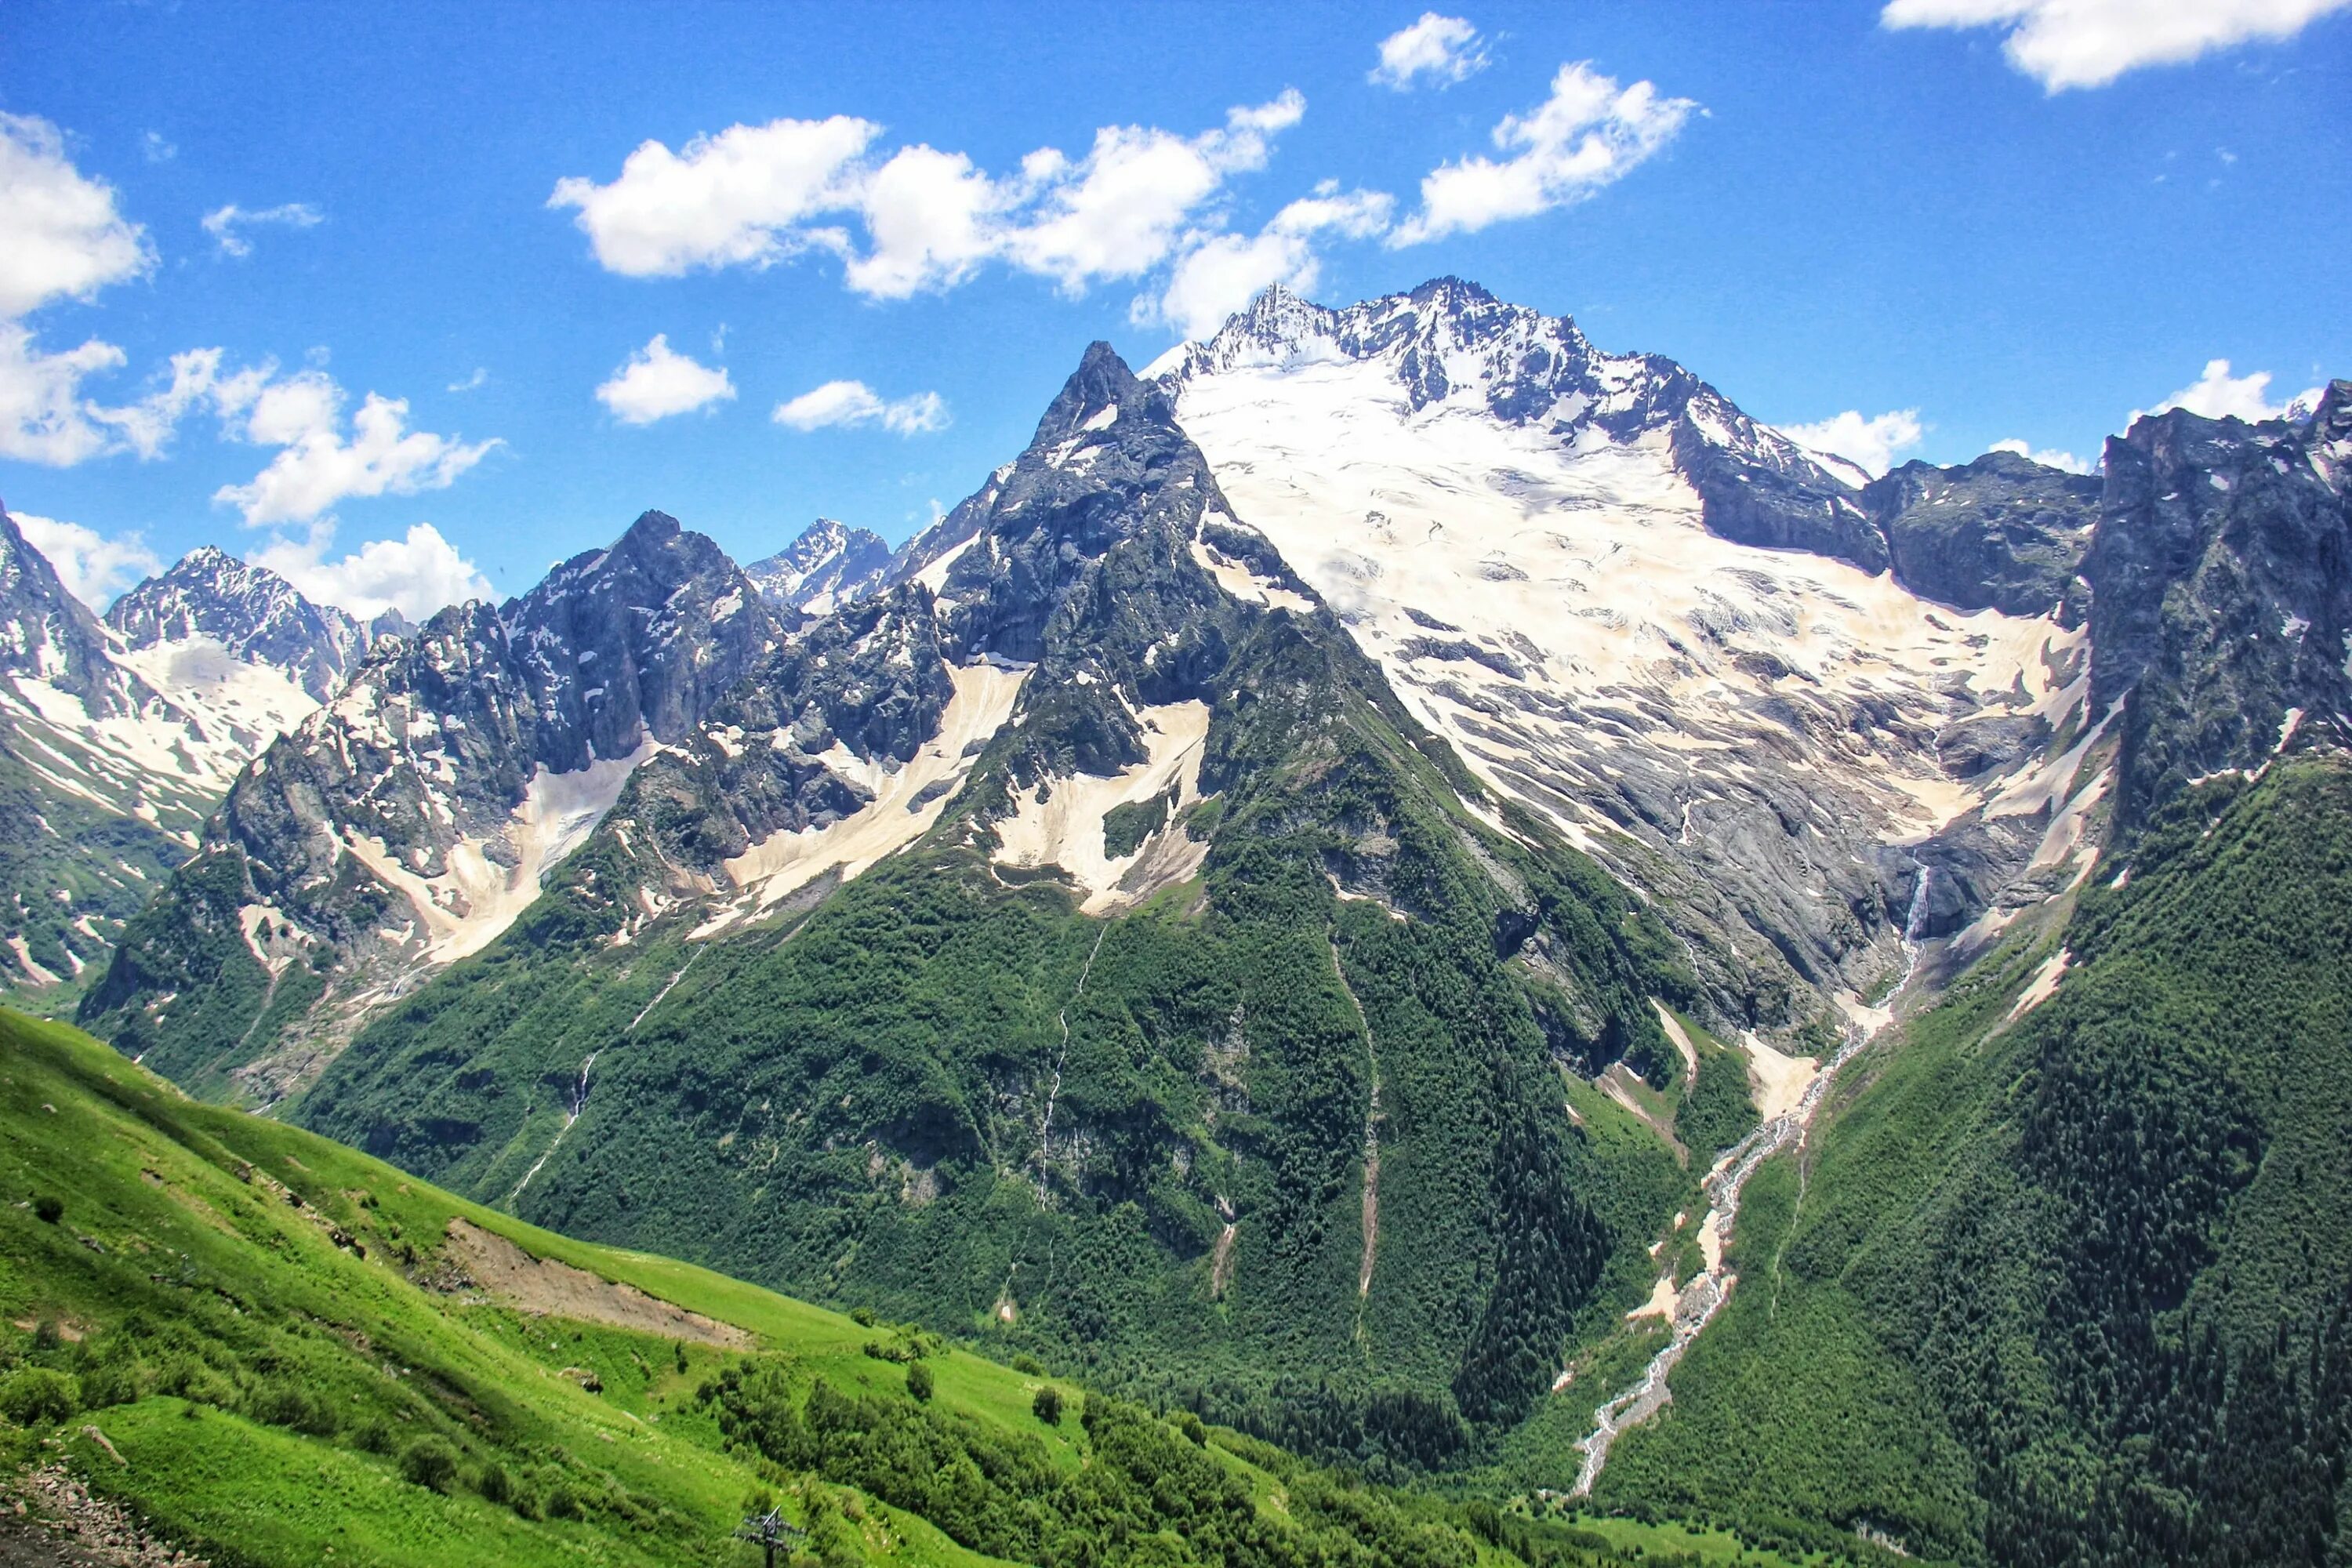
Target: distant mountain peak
(829, 565)
(250, 610)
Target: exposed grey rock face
(2002, 532)
(250, 611)
(1072, 574)
(2221, 576)
(639, 639)
(48, 634)
(407, 822)
(829, 565)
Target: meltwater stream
(1706, 1294)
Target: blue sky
(2023, 228)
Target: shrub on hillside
(430, 1463)
(37, 1397)
(1047, 1405)
(918, 1381)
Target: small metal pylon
(770, 1530)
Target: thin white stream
(1706, 1294)
(1054, 1091)
(580, 1090)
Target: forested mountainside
(1280, 899)
(2060, 1283)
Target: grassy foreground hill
(279, 1351)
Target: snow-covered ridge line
(1772, 739)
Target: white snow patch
(1065, 829)
(1245, 586)
(464, 909)
(1589, 558)
(2044, 985)
(782, 862)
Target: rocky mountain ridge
(252, 613)
(1670, 630)
(407, 822)
(829, 565)
(118, 737)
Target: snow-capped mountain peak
(1657, 621)
(252, 613)
(829, 565)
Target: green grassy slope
(271, 1331)
(2070, 1286)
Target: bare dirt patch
(513, 1277)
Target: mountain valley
(1386, 869)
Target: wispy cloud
(2048, 457)
(67, 239)
(224, 223)
(854, 403)
(1589, 134)
(659, 381)
(2218, 395)
(93, 567)
(1219, 273)
(323, 460)
(922, 218)
(1870, 442)
(416, 574)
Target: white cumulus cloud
(922, 218)
(2218, 395)
(1219, 273)
(657, 381)
(416, 575)
(223, 223)
(737, 198)
(65, 238)
(1589, 133)
(854, 403)
(1446, 49)
(2066, 44)
(1870, 442)
(2048, 457)
(46, 419)
(93, 567)
(931, 219)
(319, 463)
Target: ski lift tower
(769, 1529)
